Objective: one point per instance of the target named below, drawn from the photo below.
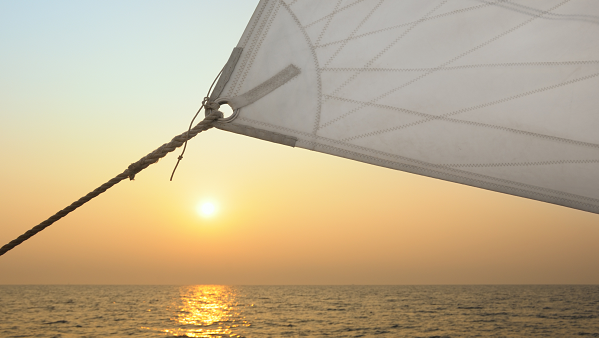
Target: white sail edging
(501, 95)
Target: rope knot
(211, 105)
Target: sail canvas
(500, 95)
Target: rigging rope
(130, 173)
(206, 103)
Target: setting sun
(206, 209)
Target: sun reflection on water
(207, 311)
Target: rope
(209, 105)
(130, 173)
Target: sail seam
(471, 123)
(253, 50)
(242, 63)
(488, 65)
(316, 68)
(326, 26)
(519, 164)
(253, 23)
(258, 44)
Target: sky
(87, 87)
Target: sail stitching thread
(255, 47)
(519, 164)
(265, 29)
(471, 123)
(316, 66)
(243, 62)
(326, 26)
(484, 44)
(252, 25)
(488, 65)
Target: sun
(206, 209)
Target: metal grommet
(222, 101)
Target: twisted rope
(130, 173)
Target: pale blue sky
(118, 51)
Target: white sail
(497, 94)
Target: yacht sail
(496, 94)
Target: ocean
(299, 311)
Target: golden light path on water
(207, 311)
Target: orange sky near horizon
(88, 88)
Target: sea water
(299, 311)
